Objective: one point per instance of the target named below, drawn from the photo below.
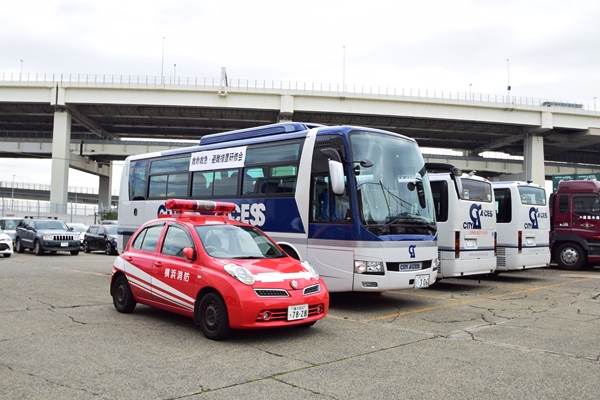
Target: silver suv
(41, 235)
(9, 226)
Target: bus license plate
(297, 312)
(421, 281)
(64, 244)
(410, 267)
(530, 241)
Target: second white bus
(464, 207)
(523, 224)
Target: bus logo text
(411, 250)
(475, 212)
(534, 214)
(253, 214)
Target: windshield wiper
(406, 219)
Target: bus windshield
(532, 195)
(394, 194)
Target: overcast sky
(443, 45)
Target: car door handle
(158, 264)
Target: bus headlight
(313, 272)
(240, 273)
(368, 267)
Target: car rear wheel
(122, 296)
(37, 248)
(20, 248)
(212, 317)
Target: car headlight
(240, 273)
(369, 267)
(48, 237)
(313, 272)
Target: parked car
(80, 229)
(223, 273)
(9, 226)
(6, 244)
(41, 235)
(101, 237)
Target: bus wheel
(570, 256)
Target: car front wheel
(108, 249)
(37, 248)
(20, 248)
(86, 247)
(122, 296)
(212, 317)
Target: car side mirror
(189, 253)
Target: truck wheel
(570, 256)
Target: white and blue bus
(523, 223)
(466, 221)
(355, 202)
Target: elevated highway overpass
(88, 121)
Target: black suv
(41, 235)
(101, 237)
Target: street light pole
(470, 97)
(594, 104)
(162, 66)
(12, 196)
(508, 78)
(174, 72)
(21, 74)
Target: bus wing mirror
(336, 174)
(458, 185)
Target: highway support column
(59, 180)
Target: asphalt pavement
(530, 334)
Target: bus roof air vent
(260, 131)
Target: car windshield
(51, 225)
(11, 224)
(232, 241)
(111, 229)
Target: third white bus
(523, 224)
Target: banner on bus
(232, 157)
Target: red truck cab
(575, 222)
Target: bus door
(330, 237)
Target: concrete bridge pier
(59, 181)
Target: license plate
(410, 267)
(530, 241)
(297, 312)
(64, 244)
(421, 281)
(470, 244)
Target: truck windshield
(394, 195)
(532, 195)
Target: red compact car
(223, 273)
